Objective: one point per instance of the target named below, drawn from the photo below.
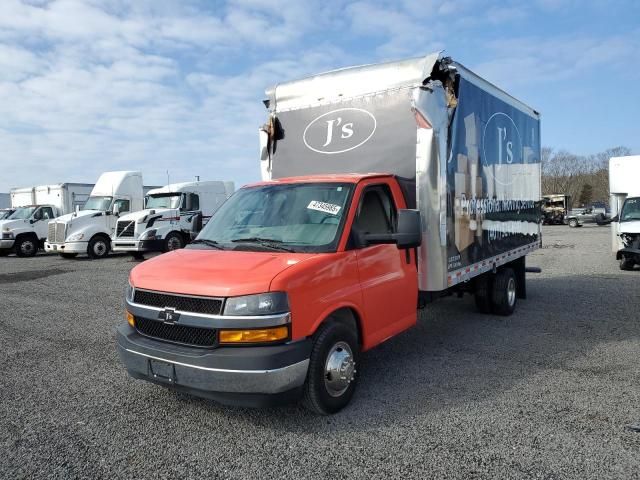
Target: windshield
(301, 217)
(5, 214)
(98, 203)
(630, 210)
(22, 213)
(164, 200)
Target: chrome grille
(211, 306)
(56, 232)
(125, 229)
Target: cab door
(388, 275)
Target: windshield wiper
(273, 243)
(207, 242)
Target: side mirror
(264, 144)
(408, 235)
(116, 209)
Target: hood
(11, 224)
(629, 227)
(71, 217)
(135, 216)
(214, 273)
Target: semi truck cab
(279, 294)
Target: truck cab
(628, 225)
(172, 217)
(290, 279)
(25, 230)
(88, 230)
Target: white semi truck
(25, 229)
(88, 230)
(172, 217)
(624, 191)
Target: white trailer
(89, 230)
(172, 217)
(624, 191)
(25, 230)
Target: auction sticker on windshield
(324, 207)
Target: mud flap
(519, 268)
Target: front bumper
(242, 376)
(7, 244)
(628, 253)
(121, 245)
(67, 247)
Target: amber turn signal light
(131, 319)
(262, 335)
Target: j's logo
(339, 131)
(501, 147)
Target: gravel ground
(546, 393)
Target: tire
(626, 263)
(99, 247)
(573, 223)
(326, 393)
(173, 241)
(504, 292)
(482, 293)
(68, 255)
(26, 246)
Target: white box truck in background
(624, 191)
(25, 230)
(89, 230)
(172, 217)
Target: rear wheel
(504, 292)
(174, 241)
(483, 293)
(626, 263)
(68, 255)
(26, 246)
(99, 247)
(332, 375)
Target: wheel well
(32, 235)
(349, 317)
(103, 235)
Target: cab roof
(323, 178)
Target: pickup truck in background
(294, 277)
(581, 216)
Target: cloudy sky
(95, 85)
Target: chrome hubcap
(511, 291)
(100, 248)
(339, 370)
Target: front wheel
(573, 223)
(332, 375)
(26, 247)
(174, 241)
(99, 247)
(626, 263)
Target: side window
(123, 205)
(47, 213)
(376, 212)
(37, 215)
(194, 203)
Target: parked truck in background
(25, 229)
(172, 217)
(89, 230)
(624, 191)
(294, 277)
(555, 208)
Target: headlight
(7, 235)
(75, 237)
(149, 234)
(261, 304)
(129, 292)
